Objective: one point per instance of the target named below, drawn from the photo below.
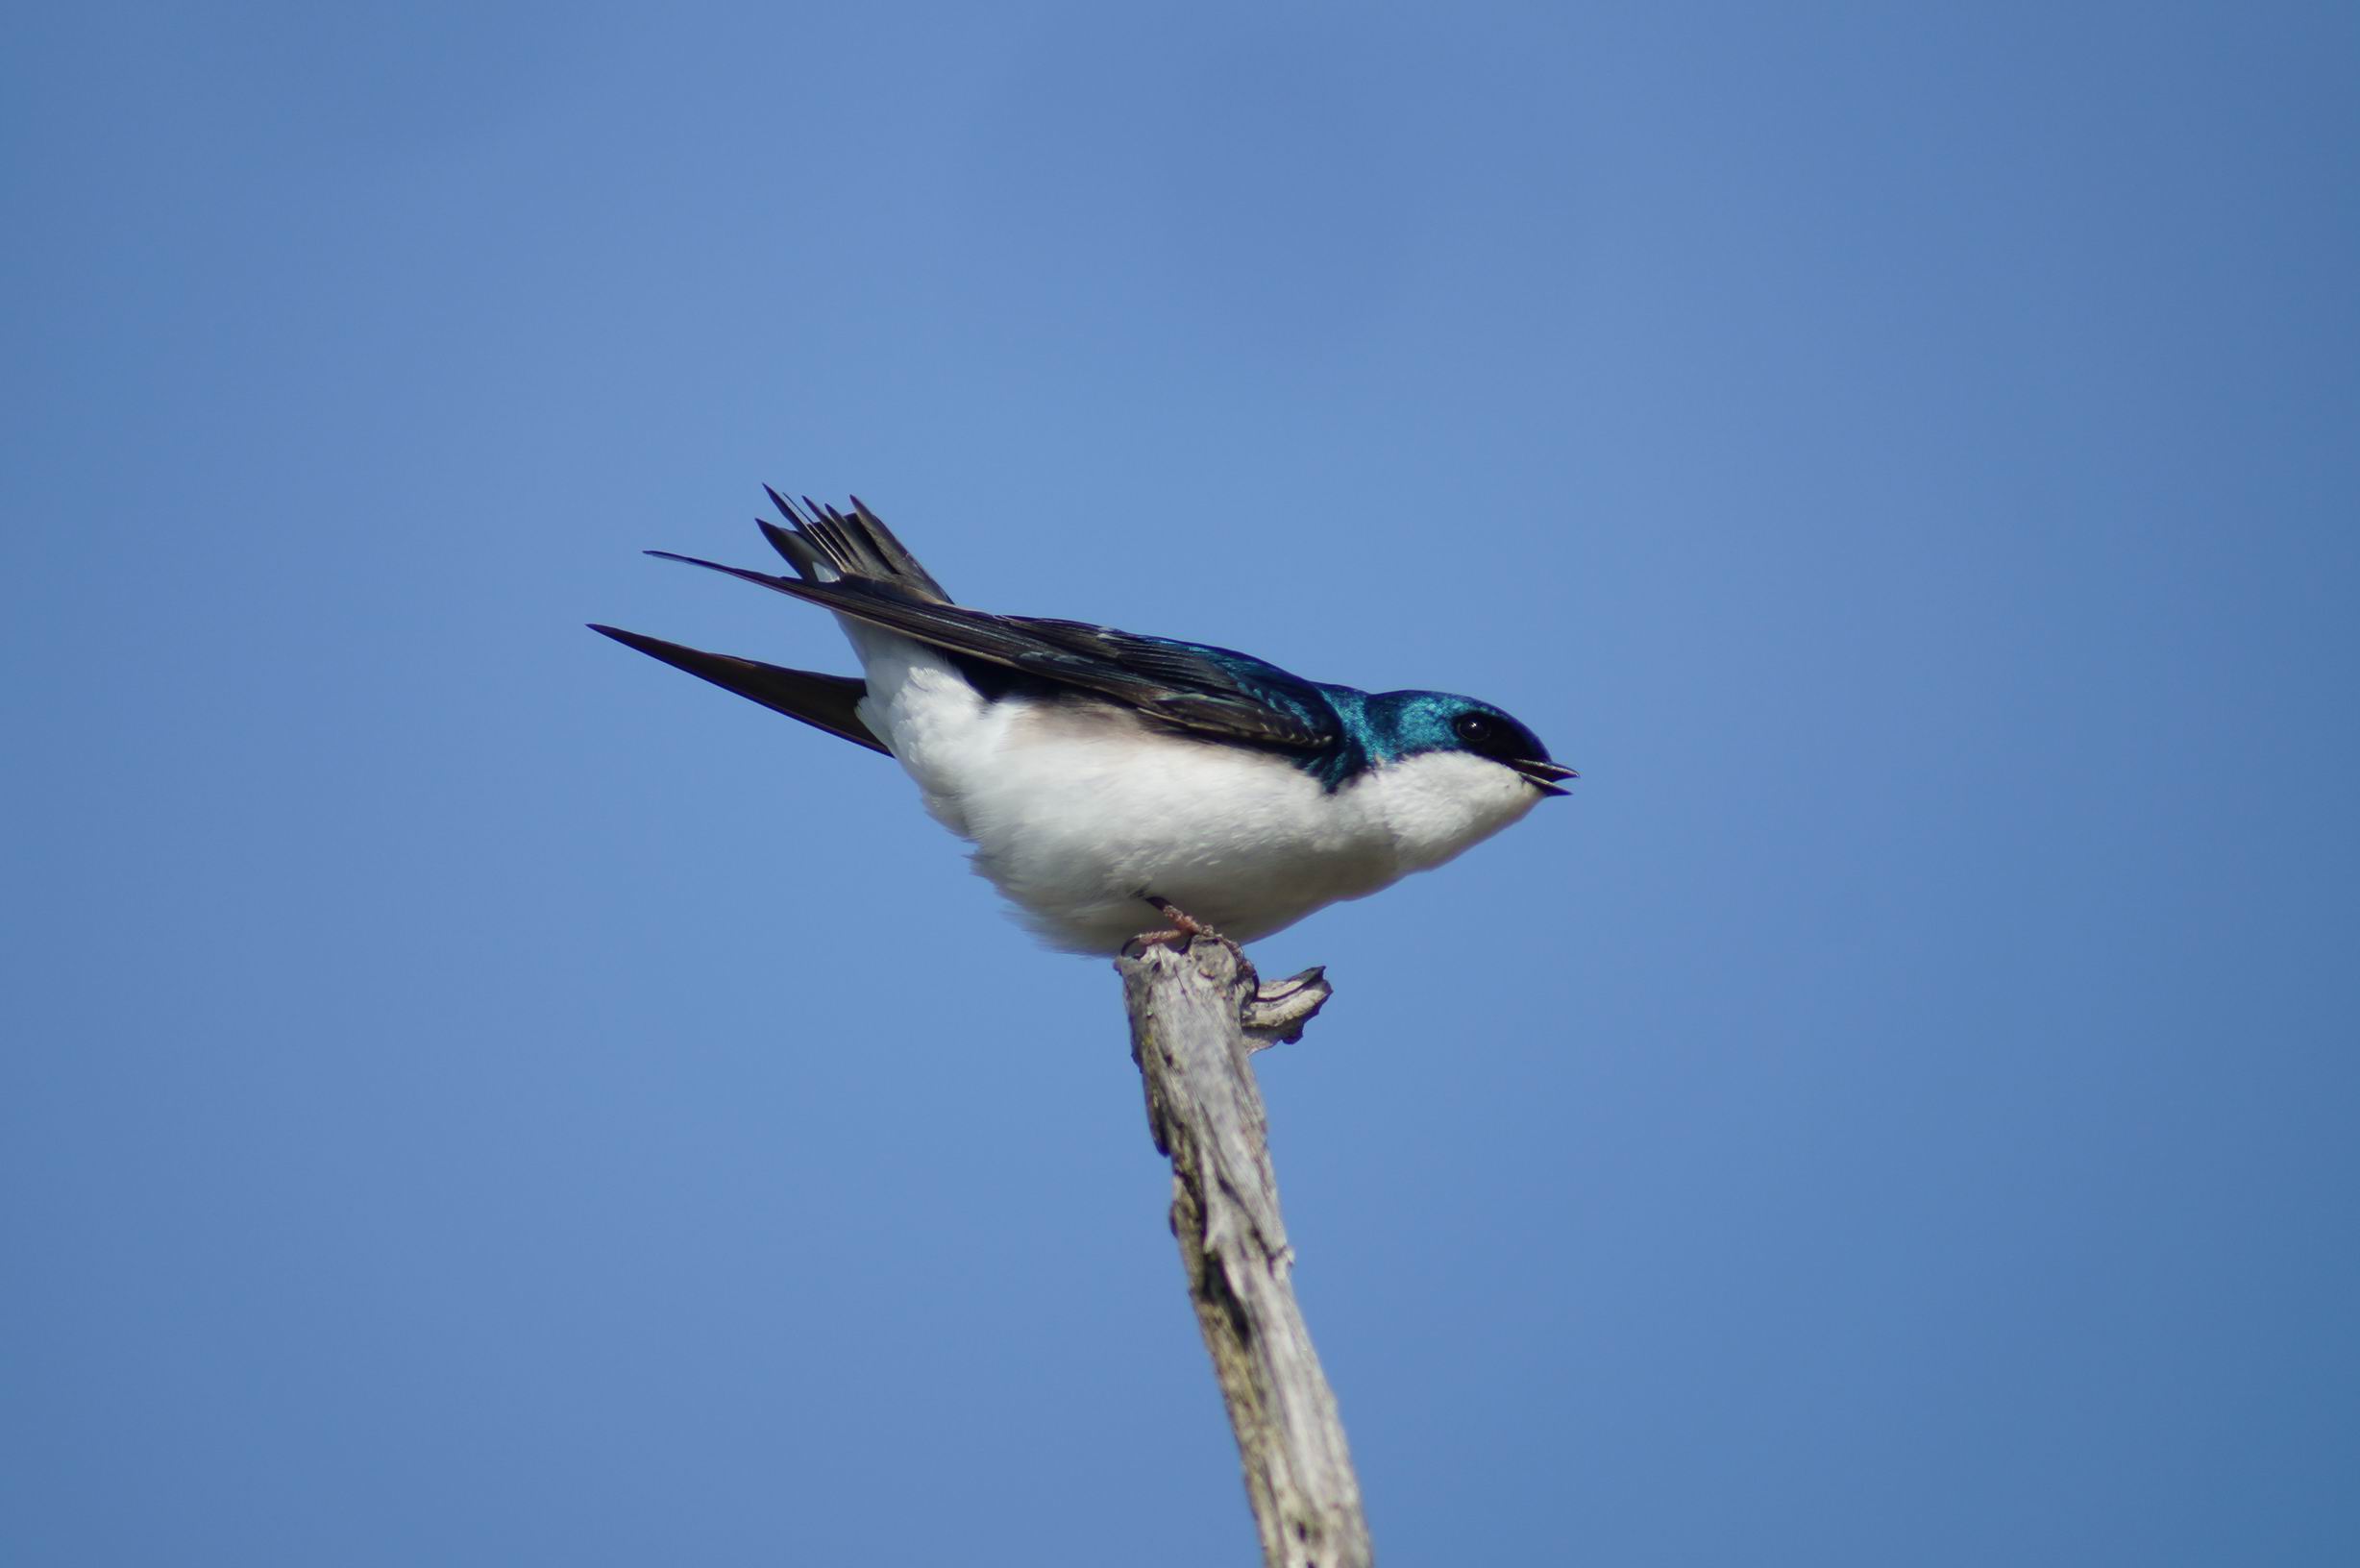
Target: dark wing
(1217, 691)
(821, 702)
(1209, 691)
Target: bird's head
(1407, 724)
(1444, 772)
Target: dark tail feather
(824, 545)
(821, 702)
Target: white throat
(1440, 803)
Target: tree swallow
(1094, 768)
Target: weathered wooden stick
(1195, 1018)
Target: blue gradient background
(474, 1095)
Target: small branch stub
(1195, 1018)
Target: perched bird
(1098, 771)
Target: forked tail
(824, 545)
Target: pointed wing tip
(629, 639)
(825, 702)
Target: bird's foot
(1272, 1013)
(1187, 928)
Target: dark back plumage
(853, 564)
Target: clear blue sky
(472, 1095)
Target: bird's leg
(1187, 928)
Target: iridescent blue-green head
(1388, 728)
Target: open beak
(1544, 776)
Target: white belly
(1077, 813)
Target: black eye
(1476, 730)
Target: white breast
(1078, 811)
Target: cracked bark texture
(1195, 1020)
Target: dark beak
(1543, 775)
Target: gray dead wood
(1195, 1020)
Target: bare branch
(1190, 1017)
